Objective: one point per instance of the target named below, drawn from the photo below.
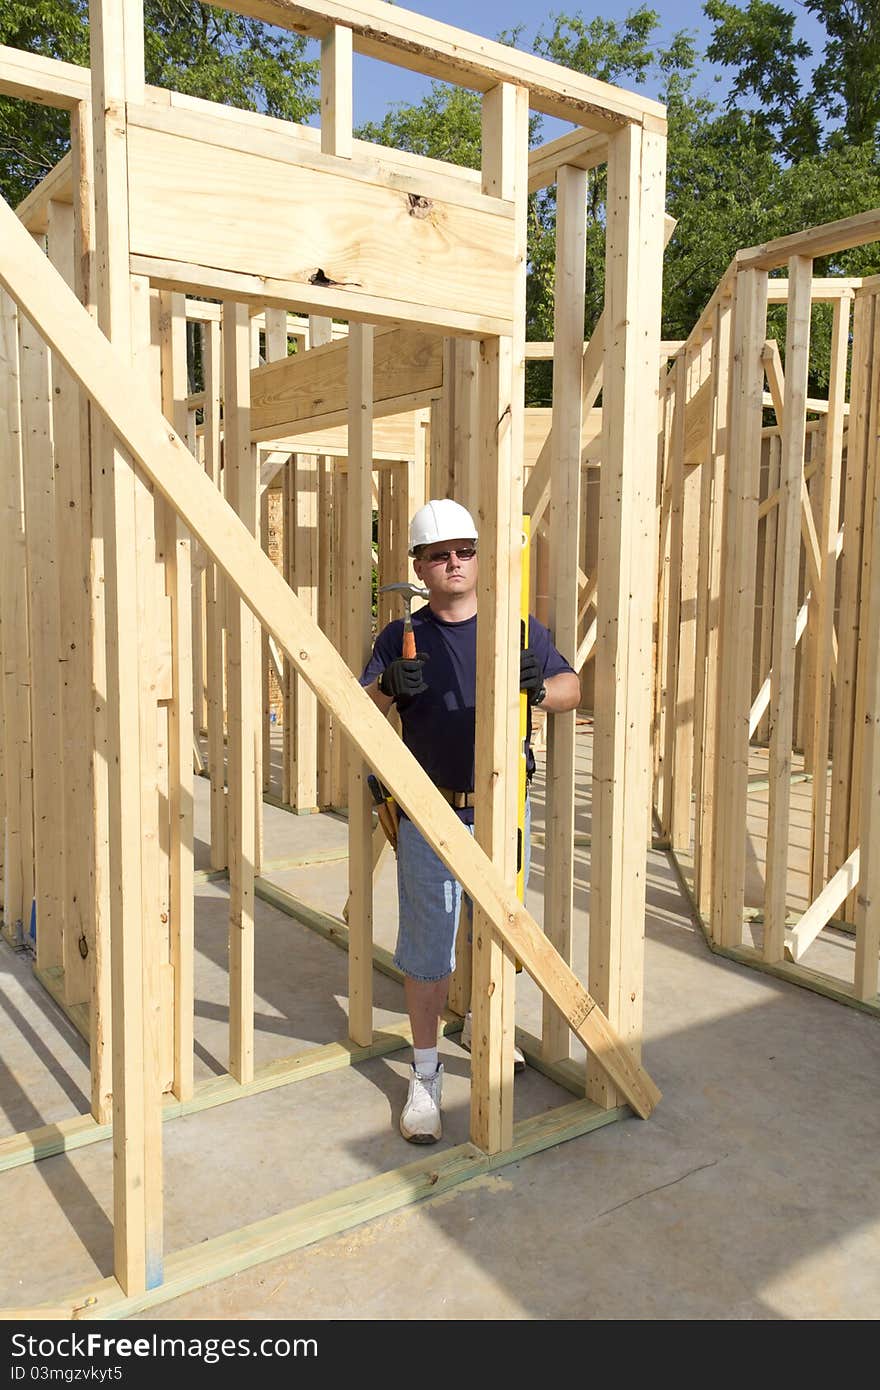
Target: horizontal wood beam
(409, 40)
(393, 439)
(823, 289)
(814, 404)
(118, 394)
(358, 235)
(578, 148)
(310, 390)
(248, 288)
(45, 81)
(396, 36)
(817, 241)
(542, 352)
(427, 180)
(235, 1251)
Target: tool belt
(462, 801)
(388, 821)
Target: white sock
(426, 1061)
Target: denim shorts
(429, 905)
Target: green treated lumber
(815, 980)
(279, 1235)
(81, 1130)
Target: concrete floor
(752, 1192)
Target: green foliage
(224, 57)
(190, 47)
(758, 43)
(446, 124)
(602, 48)
(846, 84)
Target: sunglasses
(441, 557)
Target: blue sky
(378, 85)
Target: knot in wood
(419, 206)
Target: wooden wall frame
(156, 499)
(819, 613)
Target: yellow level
(523, 717)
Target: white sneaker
(420, 1121)
(519, 1061)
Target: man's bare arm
(563, 692)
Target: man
(436, 696)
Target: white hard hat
(441, 520)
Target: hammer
(409, 592)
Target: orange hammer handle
(409, 642)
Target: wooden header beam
(543, 352)
(393, 35)
(310, 390)
(409, 40)
(578, 148)
(393, 440)
(267, 292)
(45, 81)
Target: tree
(190, 47)
(758, 43)
(846, 84)
(838, 105)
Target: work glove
(403, 678)
(531, 677)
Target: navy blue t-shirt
(439, 725)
